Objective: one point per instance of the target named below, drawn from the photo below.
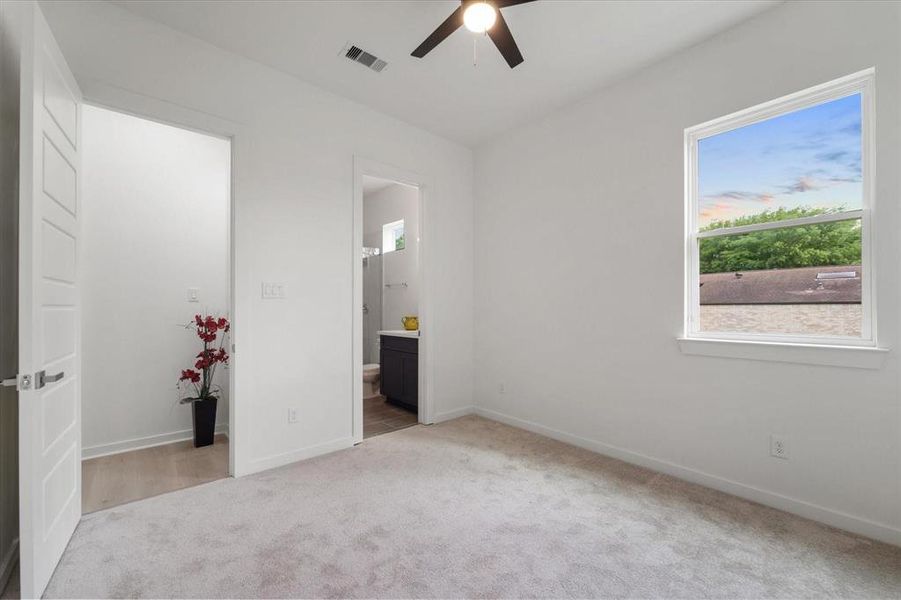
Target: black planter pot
(204, 417)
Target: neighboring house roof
(808, 285)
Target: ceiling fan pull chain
(474, 56)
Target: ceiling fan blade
(503, 39)
(450, 25)
(506, 3)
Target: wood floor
(380, 417)
(112, 480)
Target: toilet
(370, 380)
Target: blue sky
(809, 157)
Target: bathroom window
(778, 210)
(393, 236)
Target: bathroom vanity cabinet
(400, 370)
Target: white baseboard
(834, 518)
(143, 442)
(278, 460)
(454, 414)
(9, 561)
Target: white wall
(294, 147)
(387, 205)
(579, 280)
(155, 223)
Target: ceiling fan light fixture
(479, 17)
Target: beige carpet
(465, 508)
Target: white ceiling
(571, 48)
(372, 185)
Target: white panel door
(49, 314)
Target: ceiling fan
(479, 16)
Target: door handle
(41, 378)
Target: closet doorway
(155, 256)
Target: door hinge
(20, 382)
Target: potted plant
(196, 384)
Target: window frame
(858, 83)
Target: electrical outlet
(292, 415)
(778, 447)
(501, 388)
(273, 290)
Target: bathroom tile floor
(380, 417)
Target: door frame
(151, 109)
(9, 352)
(372, 168)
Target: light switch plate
(273, 290)
(193, 294)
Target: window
(778, 215)
(393, 236)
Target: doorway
(390, 256)
(391, 387)
(155, 278)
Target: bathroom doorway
(390, 257)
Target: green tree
(817, 245)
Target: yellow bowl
(410, 323)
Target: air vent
(366, 59)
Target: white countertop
(400, 333)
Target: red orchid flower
(202, 375)
(190, 375)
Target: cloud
(737, 195)
(835, 156)
(803, 184)
(807, 183)
(813, 143)
(733, 195)
(730, 204)
(719, 211)
(852, 128)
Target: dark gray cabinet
(400, 371)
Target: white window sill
(855, 357)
